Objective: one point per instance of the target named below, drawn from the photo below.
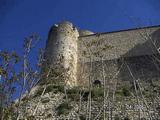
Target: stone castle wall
(80, 53)
(145, 68)
(114, 45)
(138, 48)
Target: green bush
(126, 91)
(54, 88)
(73, 93)
(50, 88)
(39, 92)
(85, 94)
(73, 90)
(97, 92)
(143, 119)
(126, 118)
(63, 108)
(117, 117)
(31, 118)
(82, 117)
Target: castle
(85, 56)
(126, 64)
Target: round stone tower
(61, 52)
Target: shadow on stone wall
(145, 67)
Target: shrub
(126, 118)
(63, 108)
(117, 117)
(143, 119)
(73, 90)
(31, 118)
(73, 93)
(84, 95)
(50, 88)
(55, 88)
(39, 92)
(97, 92)
(82, 117)
(126, 91)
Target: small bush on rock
(63, 108)
(97, 92)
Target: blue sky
(20, 18)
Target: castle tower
(61, 52)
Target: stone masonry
(73, 51)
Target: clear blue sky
(20, 18)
